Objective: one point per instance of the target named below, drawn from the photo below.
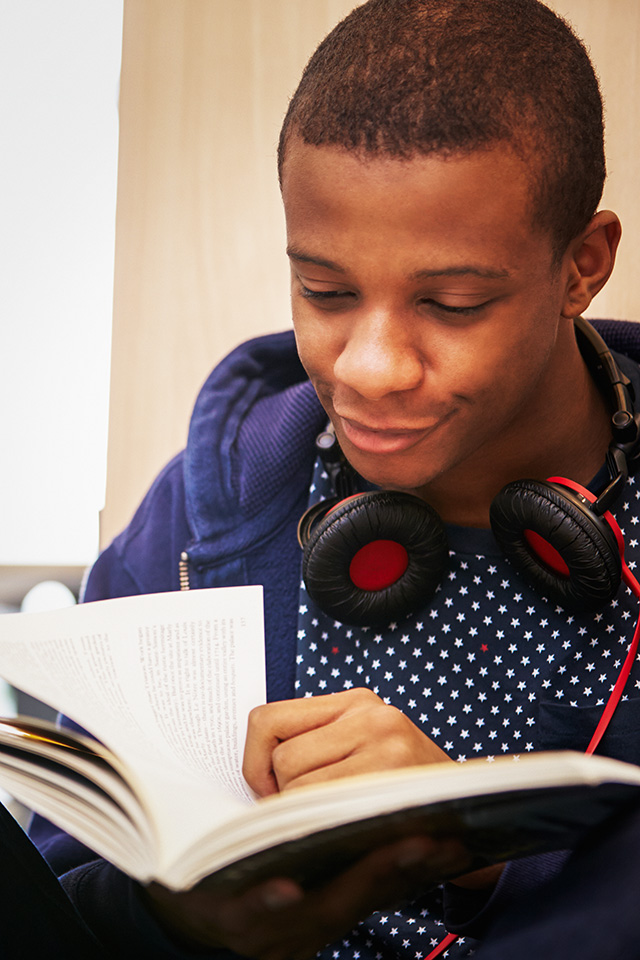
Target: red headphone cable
(615, 695)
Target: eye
(456, 311)
(324, 296)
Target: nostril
(374, 369)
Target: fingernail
(277, 898)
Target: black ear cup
(559, 545)
(373, 557)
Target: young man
(441, 167)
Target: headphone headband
(625, 422)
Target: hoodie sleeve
(472, 912)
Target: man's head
(404, 78)
(441, 164)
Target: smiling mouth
(384, 439)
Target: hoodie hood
(250, 446)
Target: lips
(383, 438)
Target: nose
(379, 357)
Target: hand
(277, 920)
(296, 742)
(291, 743)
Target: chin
(385, 476)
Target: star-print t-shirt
(487, 667)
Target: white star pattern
(508, 660)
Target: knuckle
(257, 716)
(388, 720)
(283, 762)
(364, 694)
(390, 728)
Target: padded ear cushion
(337, 550)
(586, 543)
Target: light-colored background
(59, 78)
(199, 262)
(200, 243)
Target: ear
(589, 261)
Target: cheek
(304, 342)
(497, 377)
(316, 349)
(513, 346)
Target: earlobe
(589, 262)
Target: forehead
(476, 205)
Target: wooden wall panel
(611, 31)
(200, 260)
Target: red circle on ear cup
(378, 564)
(547, 553)
(331, 542)
(586, 542)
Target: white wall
(59, 74)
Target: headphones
(370, 558)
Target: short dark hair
(416, 77)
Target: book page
(165, 680)
(196, 698)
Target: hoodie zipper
(183, 571)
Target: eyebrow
(485, 273)
(318, 261)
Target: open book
(165, 683)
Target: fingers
(277, 920)
(287, 720)
(390, 875)
(298, 742)
(385, 878)
(248, 922)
